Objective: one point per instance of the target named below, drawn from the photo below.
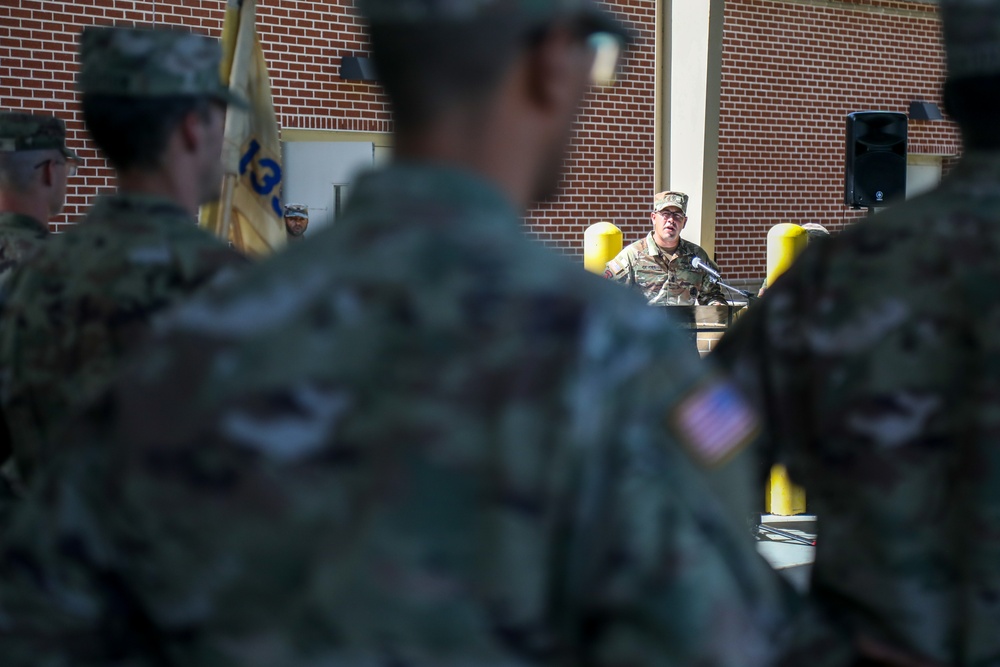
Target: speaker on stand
(875, 158)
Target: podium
(704, 324)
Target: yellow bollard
(601, 243)
(784, 243)
(782, 497)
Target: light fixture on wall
(357, 68)
(921, 110)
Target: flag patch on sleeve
(714, 422)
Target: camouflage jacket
(885, 404)
(20, 238)
(666, 280)
(87, 297)
(420, 440)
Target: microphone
(702, 266)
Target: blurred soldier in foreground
(296, 221)
(153, 104)
(876, 359)
(659, 266)
(34, 166)
(421, 438)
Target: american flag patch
(714, 422)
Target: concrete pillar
(689, 73)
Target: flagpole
(228, 190)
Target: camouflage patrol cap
(662, 200)
(140, 62)
(296, 211)
(971, 31)
(32, 132)
(529, 11)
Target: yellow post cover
(784, 243)
(601, 243)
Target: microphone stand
(719, 282)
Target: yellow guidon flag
(248, 212)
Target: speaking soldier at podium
(663, 265)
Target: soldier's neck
(33, 207)
(160, 183)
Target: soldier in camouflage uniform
(154, 105)
(876, 360)
(420, 439)
(296, 221)
(34, 166)
(660, 264)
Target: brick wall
(609, 173)
(303, 42)
(792, 71)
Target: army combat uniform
(876, 363)
(883, 404)
(20, 238)
(666, 279)
(90, 294)
(87, 298)
(460, 456)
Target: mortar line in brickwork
(929, 13)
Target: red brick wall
(792, 71)
(609, 173)
(303, 42)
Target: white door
(319, 174)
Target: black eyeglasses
(673, 215)
(70, 166)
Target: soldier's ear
(47, 173)
(191, 130)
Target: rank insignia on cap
(714, 422)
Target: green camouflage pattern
(529, 11)
(662, 200)
(665, 280)
(876, 361)
(20, 238)
(418, 440)
(32, 132)
(86, 298)
(971, 33)
(140, 62)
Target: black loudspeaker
(875, 160)
(356, 68)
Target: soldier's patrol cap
(32, 132)
(296, 211)
(662, 200)
(971, 31)
(531, 12)
(144, 62)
